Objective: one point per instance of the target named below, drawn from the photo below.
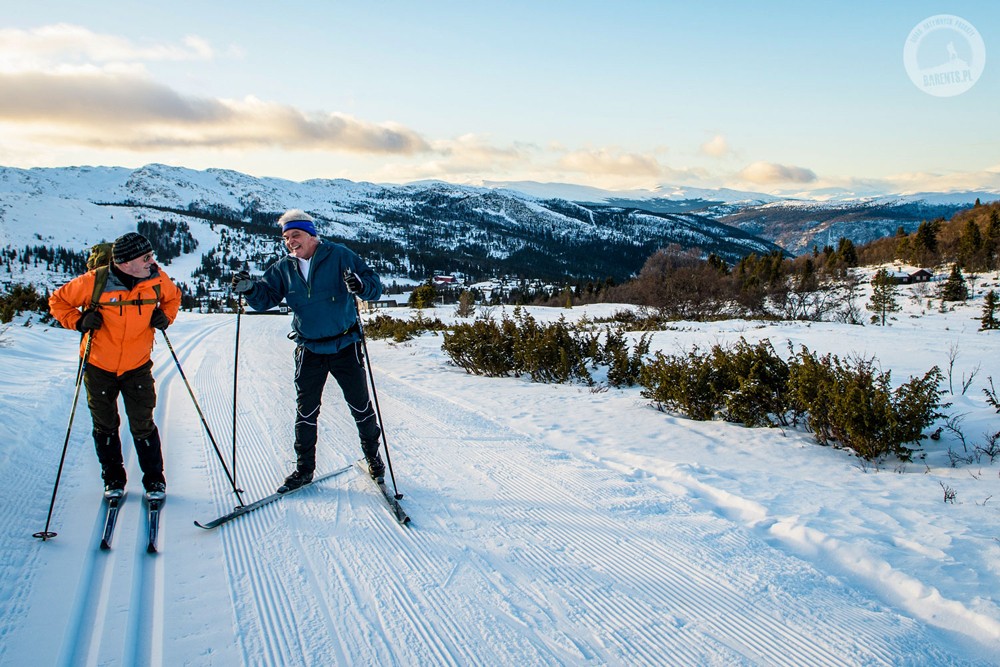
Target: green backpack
(99, 261)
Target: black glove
(92, 320)
(158, 320)
(353, 282)
(242, 282)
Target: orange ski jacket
(125, 340)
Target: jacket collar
(114, 282)
(322, 250)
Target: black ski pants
(311, 371)
(139, 395)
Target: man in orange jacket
(137, 297)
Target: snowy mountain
(795, 221)
(403, 230)
(209, 222)
(799, 225)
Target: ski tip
(105, 546)
(151, 548)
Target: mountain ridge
(411, 230)
(406, 230)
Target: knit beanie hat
(297, 219)
(130, 246)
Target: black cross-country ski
(246, 509)
(113, 504)
(392, 501)
(153, 522)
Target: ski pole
(46, 534)
(204, 423)
(378, 411)
(236, 370)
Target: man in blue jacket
(319, 281)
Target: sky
(771, 97)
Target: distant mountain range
(214, 220)
(796, 224)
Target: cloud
(99, 100)
(474, 152)
(952, 181)
(611, 162)
(130, 112)
(62, 46)
(474, 159)
(717, 146)
(66, 86)
(766, 173)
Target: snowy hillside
(406, 231)
(552, 524)
(800, 225)
(535, 230)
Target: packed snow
(552, 524)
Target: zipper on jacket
(306, 281)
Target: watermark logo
(944, 55)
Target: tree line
(685, 284)
(678, 283)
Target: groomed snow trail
(517, 554)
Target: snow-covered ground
(552, 524)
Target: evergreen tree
(991, 242)
(567, 294)
(716, 263)
(954, 288)
(970, 245)
(848, 253)
(807, 279)
(989, 319)
(924, 243)
(902, 244)
(883, 299)
(423, 296)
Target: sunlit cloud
(605, 161)
(100, 101)
(768, 173)
(468, 159)
(473, 158)
(916, 182)
(64, 86)
(63, 46)
(477, 153)
(717, 146)
(134, 113)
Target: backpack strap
(101, 279)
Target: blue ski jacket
(324, 315)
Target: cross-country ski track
(518, 553)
